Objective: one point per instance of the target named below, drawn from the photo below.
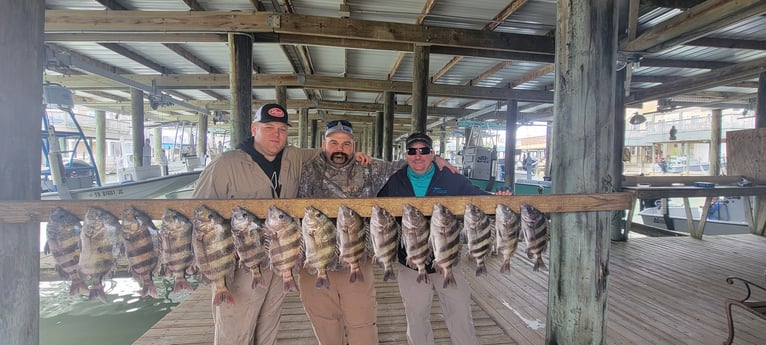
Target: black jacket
(443, 183)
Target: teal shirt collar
(420, 182)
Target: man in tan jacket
(262, 167)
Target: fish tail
(506, 266)
(97, 292)
(149, 289)
(481, 269)
(356, 274)
(181, 284)
(78, 286)
(449, 279)
(223, 295)
(257, 280)
(539, 264)
(323, 282)
(423, 276)
(288, 284)
(389, 274)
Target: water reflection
(73, 320)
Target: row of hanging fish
(213, 246)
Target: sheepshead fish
(250, 243)
(415, 232)
(176, 248)
(478, 230)
(101, 246)
(63, 232)
(445, 239)
(507, 225)
(139, 246)
(352, 236)
(319, 236)
(285, 242)
(384, 233)
(534, 225)
(213, 248)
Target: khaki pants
(455, 303)
(253, 319)
(346, 304)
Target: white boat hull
(734, 221)
(144, 189)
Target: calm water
(73, 320)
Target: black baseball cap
(421, 137)
(271, 112)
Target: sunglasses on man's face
(415, 150)
(334, 123)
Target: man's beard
(339, 157)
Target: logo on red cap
(276, 112)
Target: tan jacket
(234, 175)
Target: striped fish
(507, 225)
(139, 246)
(352, 238)
(101, 244)
(176, 248)
(535, 229)
(319, 236)
(250, 243)
(285, 245)
(213, 248)
(445, 240)
(478, 230)
(384, 233)
(63, 233)
(415, 234)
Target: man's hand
(363, 158)
(442, 163)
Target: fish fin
(223, 296)
(257, 279)
(323, 282)
(181, 284)
(78, 286)
(539, 264)
(97, 292)
(288, 285)
(356, 274)
(423, 276)
(149, 289)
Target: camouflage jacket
(320, 179)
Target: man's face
(419, 162)
(339, 148)
(270, 138)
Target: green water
(73, 320)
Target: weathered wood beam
(498, 19)
(721, 76)
(212, 21)
(694, 23)
(448, 66)
(651, 62)
(119, 49)
(117, 37)
(189, 56)
(534, 75)
(713, 42)
(218, 81)
(490, 72)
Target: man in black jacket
(421, 178)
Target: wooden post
(202, 125)
(137, 126)
(715, 143)
(314, 134)
(583, 151)
(241, 85)
(303, 124)
(389, 103)
(21, 108)
(281, 95)
(760, 106)
(619, 231)
(420, 88)
(101, 145)
(378, 147)
(511, 117)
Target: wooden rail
(39, 211)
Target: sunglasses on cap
(415, 150)
(334, 123)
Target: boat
(143, 189)
(726, 217)
(79, 179)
